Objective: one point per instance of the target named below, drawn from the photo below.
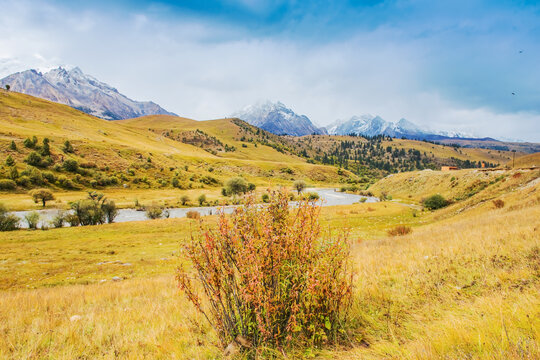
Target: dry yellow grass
(462, 287)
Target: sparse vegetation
(8, 222)
(192, 214)
(299, 185)
(399, 230)
(32, 220)
(154, 211)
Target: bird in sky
(521, 51)
(513, 93)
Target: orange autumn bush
(268, 275)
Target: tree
(28, 143)
(299, 185)
(67, 148)
(435, 202)
(33, 159)
(201, 199)
(184, 199)
(236, 186)
(8, 87)
(10, 161)
(45, 149)
(13, 146)
(70, 165)
(42, 195)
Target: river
(329, 197)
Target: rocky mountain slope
(278, 119)
(80, 91)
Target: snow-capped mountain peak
(370, 125)
(278, 119)
(71, 86)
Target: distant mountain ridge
(278, 119)
(80, 91)
(369, 125)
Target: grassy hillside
(117, 154)
(530, 160)
(463, 284)
(183, 155)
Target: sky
(445, 65)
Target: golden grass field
(463, 285)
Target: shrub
(8, 222)
(88, 212)
(32, 219)
(72, 220)
(70, 165)
(265, 198)
(34, 159)
(28, 143)
(201, 199)
(67, 148)
(192, 214)
(299, 185)
(236, 186)
(184, 199)
(13, 173)
(499, 204)
(7, 184)
(46, 148)
(10, 161)
(399, 230)
(110, 210)
(269, 276)
(154, 211)
(13, 146)
(59, 219)
(34, 175)
(94, 210)
(42, 195)
(65, 183)
(311, 196)
(24, 181)
(435, 202)
(49, 176)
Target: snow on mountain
(370, 125)
(278, 119)
(83, 92)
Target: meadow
(462, 284)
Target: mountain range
(370, 125)
(84, 92)
(81, 91)
(278, 119)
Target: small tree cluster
(94, 210)
(435, 202)
(237, 186)
(269, 276)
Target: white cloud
(209, 70)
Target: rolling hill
(118, 153)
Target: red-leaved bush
(269, 276)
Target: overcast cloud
(446, 67)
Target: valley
(456, 278)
